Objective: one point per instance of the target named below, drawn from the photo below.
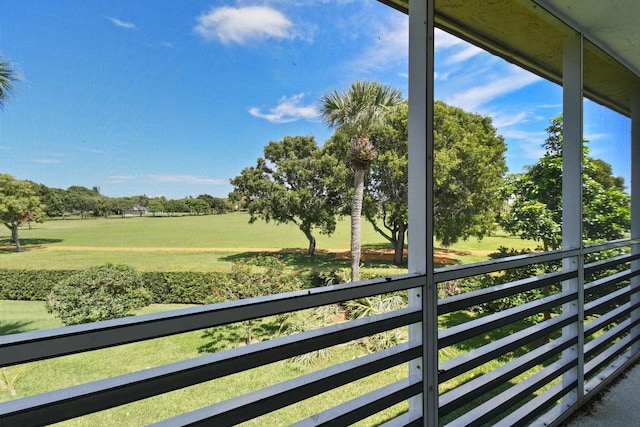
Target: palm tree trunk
(398, 245)
(356, 212)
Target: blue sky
(176, 98)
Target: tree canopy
(535, 197)
(293, 183)
(18, 204)
(468, 171)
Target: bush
(182, 287)
(99, 293)
(30, 285)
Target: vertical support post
(635, 204)
(420, 261)
(572, 146)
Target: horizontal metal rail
(470, 299)
(488, 323)
(509, 398)
(260, 402)
(364, 406)
(92, 397)
(612, 244)
(479, 356)
(538, 395)
(30, 346)
(462, 395)
(468, 270)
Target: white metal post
(421, 204)
(572, 145)
(635, 201)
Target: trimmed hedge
(167, 287)
(182, 287)
(30, 285)
(174, 287)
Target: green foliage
(292, 184)
(99, 293)
(469, 165)
(359, 111)
(378, 304)
(535, 210)
(507, 276)
(8, 79)
(245, 281)
(30, 285)
(469, 162)
(18, 204)
(310, 319)
(325, 277)
(181, 287)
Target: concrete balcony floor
(616, 406)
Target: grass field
(37, 377)
(67, 371)
(198, 243)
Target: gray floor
(618, 407)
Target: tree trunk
(312, 243)
(14, 236)
(398, 245)
(356, 212)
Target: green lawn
(205, 231)
(67, 371)
(198, 243)
(37, 377)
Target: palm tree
(8, 78)
(360, 110)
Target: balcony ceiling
(531, 34)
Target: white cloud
(188, 179)
(472, 98)
(389, 47)
(444, 40)
(169, 178)
(122, 24)
(468, 52)
(502, 120)
(288, 110)
(240, 25)
(48, 161)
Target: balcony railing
(508, 369)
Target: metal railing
(507, 368)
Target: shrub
(244, 281)
(99, 293)
(30, 285)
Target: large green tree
(535, 198)
(469, 167)
(293, 183)
(18, 204)
(469, 164)
(360, 110)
